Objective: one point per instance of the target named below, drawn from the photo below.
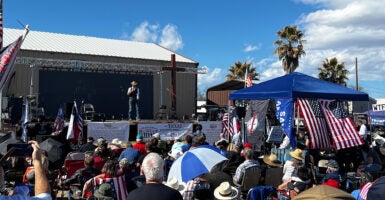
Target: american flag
(1, 24)
(118, 184)
(7, 59)
(227, 126)
(75, 127)
(249, 82)
(341, 126)
(315, 122)
(59, 123)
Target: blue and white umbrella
(195, 162)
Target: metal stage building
(55, 69)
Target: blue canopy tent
(298, 85)
(376, 118)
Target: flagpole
(26, 31)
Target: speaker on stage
(15, 109)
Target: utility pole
(356, 74)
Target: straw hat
(272, 160)
(225, 191)
(323, 192)
(175, 184)
(297, 154)
(134, 83)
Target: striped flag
(1, 24)
(75, 126)
(248, 80)
(227, 126)
(7, 59)
(59, 123)
(315, 122)
(118, 185)
(341, 126)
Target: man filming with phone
(42, 188)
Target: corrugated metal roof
(64, 43)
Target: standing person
(152, 169)
(139, 144)
(133, 100)
(362, 130)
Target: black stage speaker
(41, 138)
(68, 110)
(15, 109)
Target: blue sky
(218, 33)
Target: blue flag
(285, 117)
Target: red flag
(118, 184)
(341, 126)
(315, 122)
(59, 122)
(7, 59)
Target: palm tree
(238, 71)
(287, 52)
(333, 71)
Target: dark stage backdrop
(107, 92)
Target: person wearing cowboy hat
(289, 167)
(225, 191)
(133, 100)
(172, 182)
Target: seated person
(371, 160)
(249, 162)
(297, 184)
(333, 177)
(82, 175)
(109, 175)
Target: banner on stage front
(167, 131)
(109, 130)
(211, 129)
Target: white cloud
(170, 38)
(249, 47)
(213, 77)
(346, 29)
(145, 32)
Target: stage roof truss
(97, 67)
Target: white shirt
(288, 170)
(363, 132)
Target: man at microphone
(133, 100)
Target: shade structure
(297, 85)
(195, 162)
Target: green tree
(238, 71)
(333, 71)
(289, 48)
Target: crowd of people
(139, 170)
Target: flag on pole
(59, 123)
(7, 60)
(227, 127)
(1, 24)
(248, 80)
(315, 122)
(341, 126)
(75, 126)
(25, 122)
